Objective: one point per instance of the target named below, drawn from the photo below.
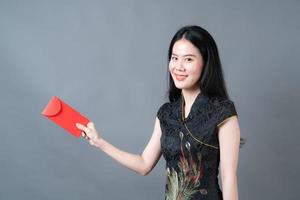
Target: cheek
(198, 70)
(171, 67)
(195, 70)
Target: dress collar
(200, 99)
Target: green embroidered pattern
(183, 184)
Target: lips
(180, 77)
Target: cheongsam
(190, 147)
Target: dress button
(181, 134)
(203, 191)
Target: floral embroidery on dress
(192, 168)
(183, 184)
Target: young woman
(195, 131)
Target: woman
(195, 131)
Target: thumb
(91, 125)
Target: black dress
(191, 147)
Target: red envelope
(64, 115)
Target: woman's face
(185, 65)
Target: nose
(179, 65)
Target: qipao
(191, 149)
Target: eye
(189, 59)
(173, 58)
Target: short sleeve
(161, 111)
(226, 110)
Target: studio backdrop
(108, 59)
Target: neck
(189, 96)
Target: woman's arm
(142, 164)
(229, 139)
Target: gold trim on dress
(226, 119)
(189, 132)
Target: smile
(180, 77)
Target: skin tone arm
(229, 139)
(139, 163)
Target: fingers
(86, 130)
(89, 132)
(84, 135)
(83, 128)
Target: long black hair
(211, 81)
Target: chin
(184, 86)
(180, 86)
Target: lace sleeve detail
(226, 111)
(161, 111)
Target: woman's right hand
(90, 133)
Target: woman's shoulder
(220, 102)
(224, 108)
(162, 109)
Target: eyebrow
(185, 55)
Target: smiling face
(186, 64)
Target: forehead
(183, 46)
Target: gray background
(108, 60)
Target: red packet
(64, 115)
